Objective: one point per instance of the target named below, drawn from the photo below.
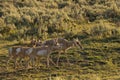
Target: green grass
(99, 30)
(100, 60)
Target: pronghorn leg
(38, 61)
(15, 63)
(21, 62)
(58, 57)
(8, 61)
(67, 58)
(48, 60)
(52, 61)
(27, 62)
(33, 61)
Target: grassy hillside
(53, 18)
(95, 22)
(100, 60)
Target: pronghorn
(26, 52)
(18, 52)
(65, 45)
(43, 51)
(48, 45)
(13, 53)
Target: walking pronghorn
(65, 45)
(47, 47)
(43, 51)
(31, 53)
(14, 53)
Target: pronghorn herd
(39, 49)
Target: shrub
(62, 5)
(103, 30)
(91, 2)
(26, 19)
(61, 17)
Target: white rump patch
(58, 44)
(29, 51)
(18, 50)
(42, 52)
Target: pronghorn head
(56, 42)
(33, 42)
(77, 43)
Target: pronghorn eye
(77, 42)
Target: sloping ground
(49, 18)
(100, 60)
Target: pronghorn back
(62, 40)
(67, 44)
(51, 42)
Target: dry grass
(98, 61)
